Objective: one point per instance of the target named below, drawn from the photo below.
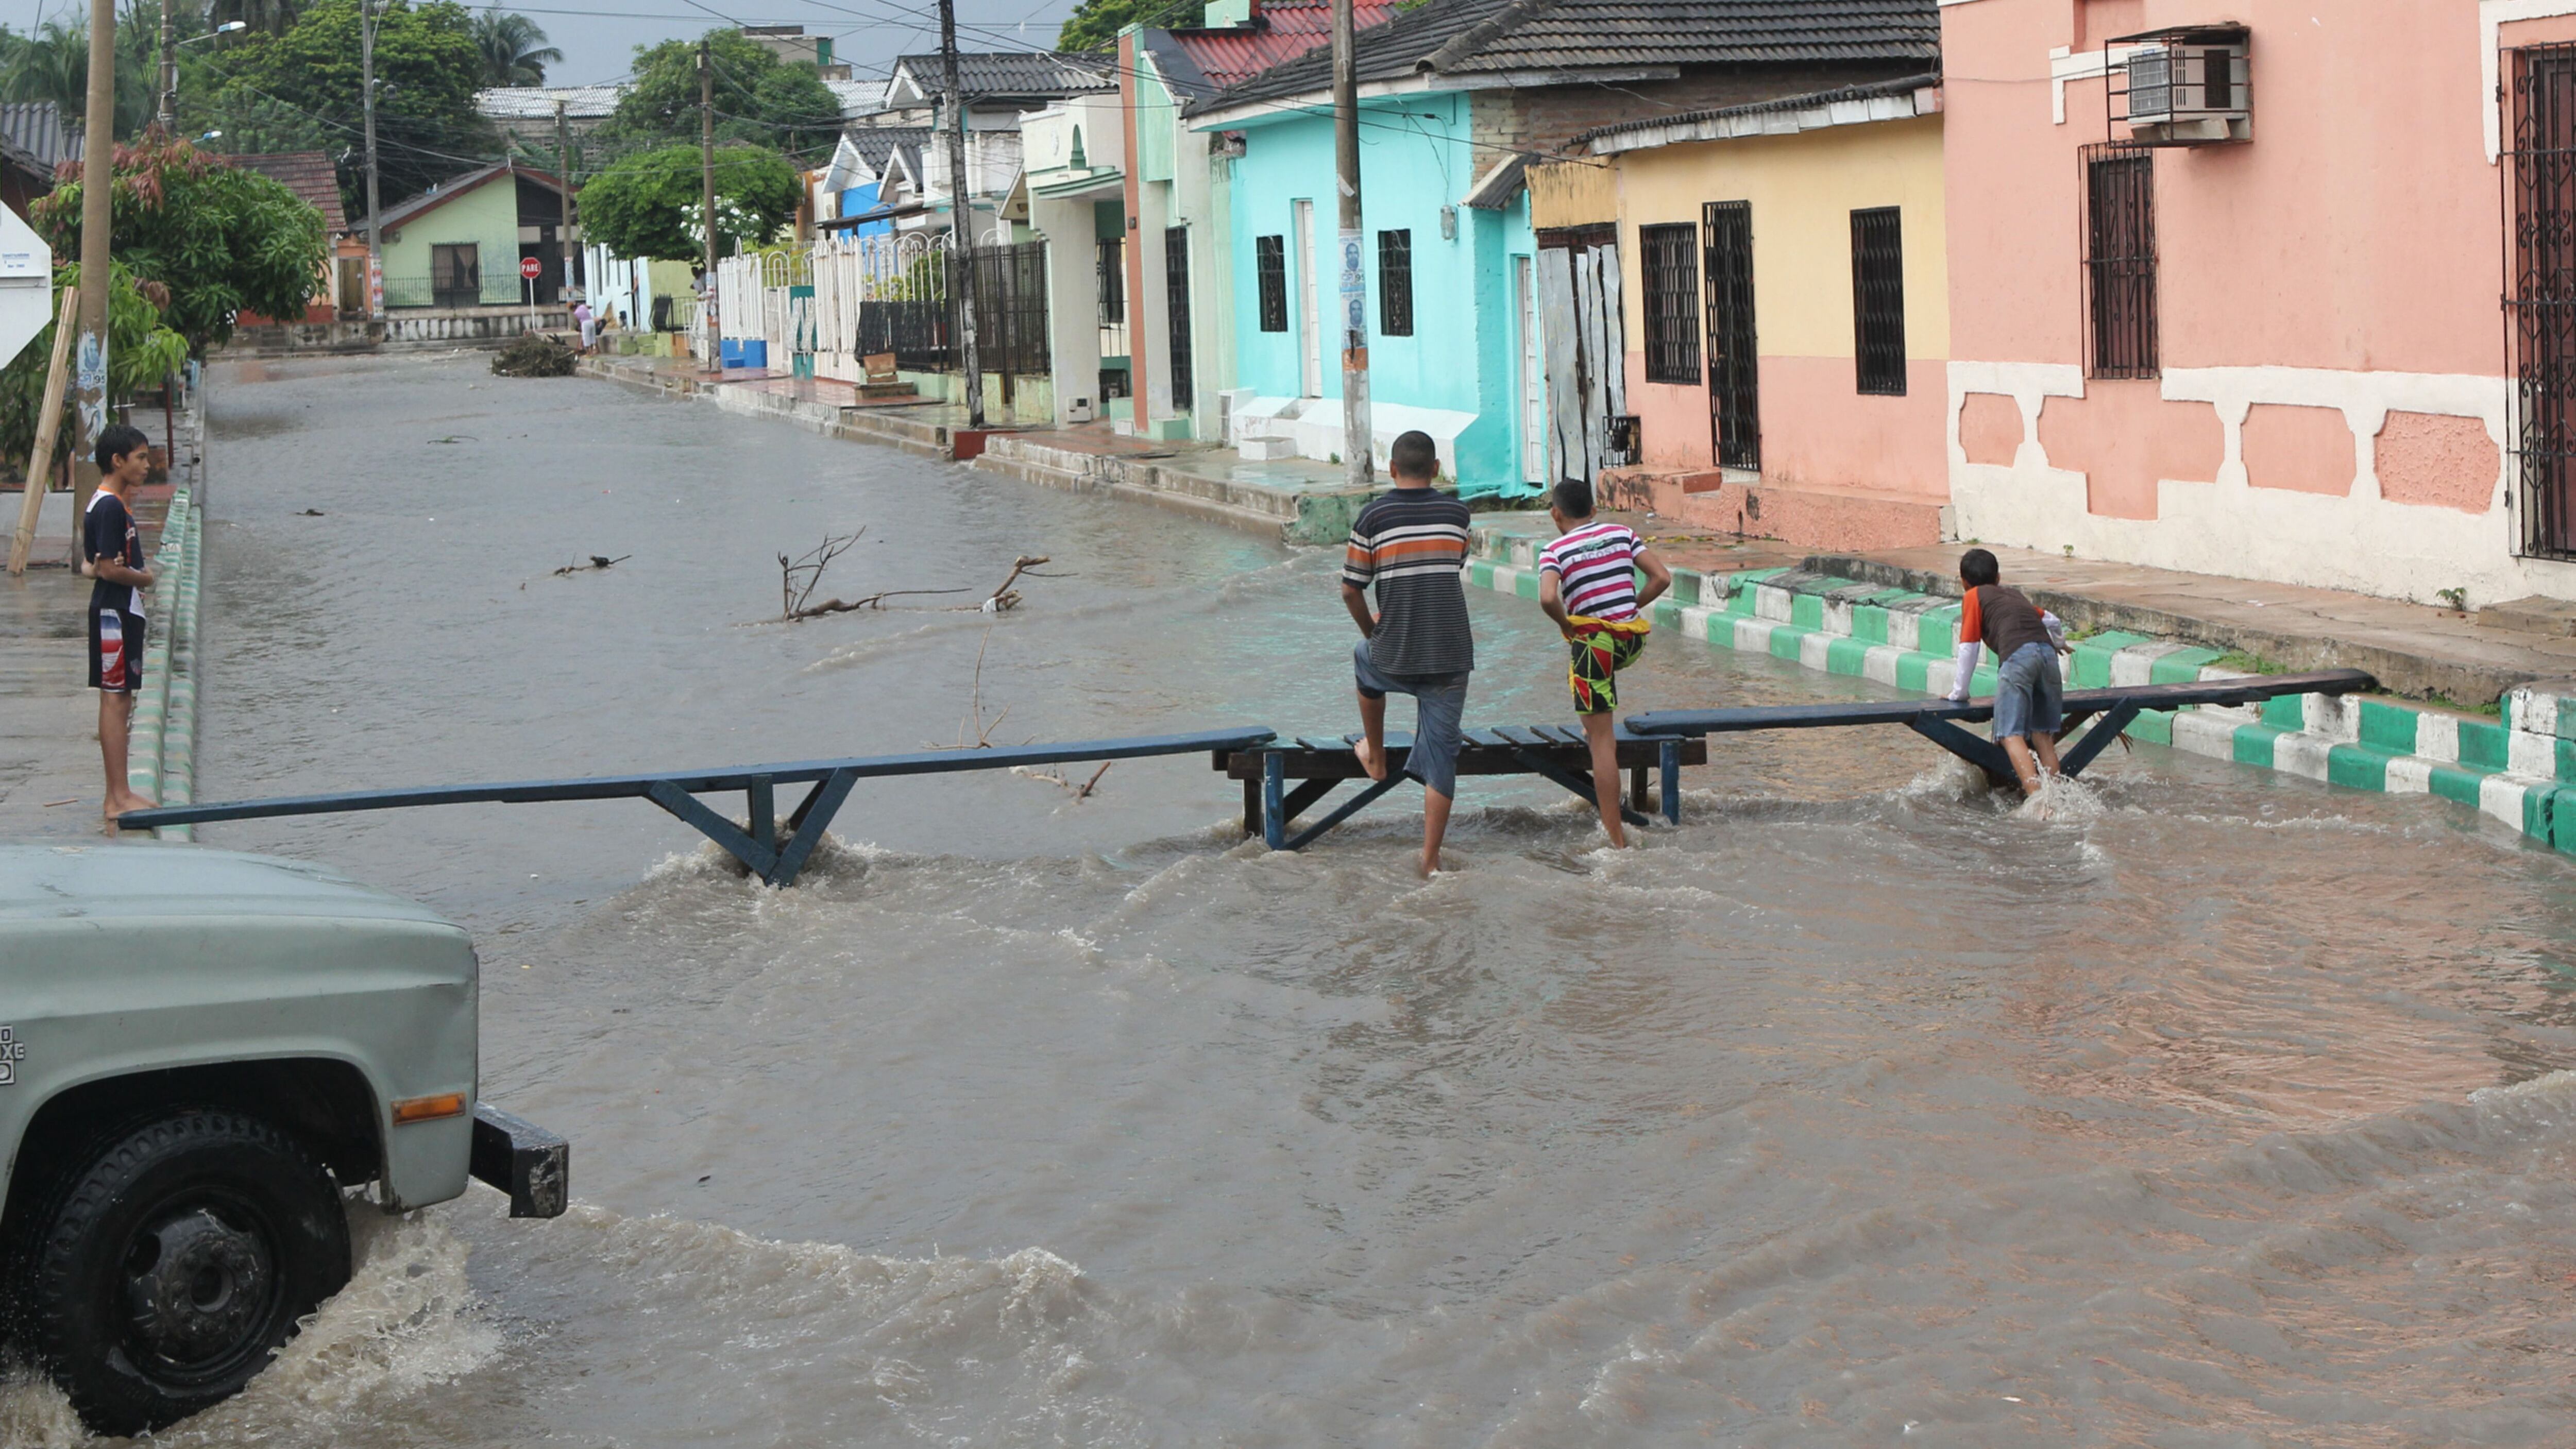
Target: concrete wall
(1817, 427)
(487, 216)
(2332, 407)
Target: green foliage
(2245, 662)
(646, 205)
(758, 98)
(514, 49)
(141, 353)
(300, 91)
(221, 239)
(1094, 24)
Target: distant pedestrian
(2028, 687)
(1411, 544)
(589, 322)
(112, 553)
(1587, 583)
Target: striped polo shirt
(1412, 545)
(1596, 569)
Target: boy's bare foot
(1372, 759)
(1427, 866)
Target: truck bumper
(531, 1164)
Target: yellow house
(1782, 305)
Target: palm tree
(515, 52)
(50, 63)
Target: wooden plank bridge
(1652, 748)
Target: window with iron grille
(1669, 256)
(1176, 306)
(1270, 263)
(1878, 300)
(1395, 283)
(1734, 363)
(2120, 259)
(1113, 282)
(2540, 295)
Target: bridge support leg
(1274, 803)
(1574, 780)
(1344, 811)
(2071, 763)
(1668, 756)
(762, 796)
(760, 858)
(812, 818)
(1983, 753)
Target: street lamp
(227, 28)
(170, 62)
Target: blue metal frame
(758, 846)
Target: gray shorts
(1439, 703)
(2028, 693)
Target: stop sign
(531, 268)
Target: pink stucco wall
(1817, 431)
(2442, 462)
(2359, 230)
(2309, 450)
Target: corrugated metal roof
(35, 130)
(990, 73)
(537, 103)
(1835, 107)
(309, 174)
(1484, 37)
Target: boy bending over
(1411, 544)
(1587, 583)
(2028, 688)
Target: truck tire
(166, 1271)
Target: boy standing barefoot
(1587, 583)
(1411, 544)
(113, 551)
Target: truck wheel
(172, 1265)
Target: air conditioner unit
(2186, 87)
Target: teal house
(1445, 244)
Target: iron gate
(1734, 369)
(2540, 305)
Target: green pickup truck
(203, 1056)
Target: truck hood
(148, 881)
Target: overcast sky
(599, 38)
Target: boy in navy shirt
(112, 553)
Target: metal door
(2540, 303)
(1734, 365)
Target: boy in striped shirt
(1587, 583)
(1410, 545)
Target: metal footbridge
(1652, 748)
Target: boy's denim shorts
(1439, 704)
(2028, 693)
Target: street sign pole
(529, 270)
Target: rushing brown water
(2224, 1109)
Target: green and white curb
(161, 759)
(2520, 769)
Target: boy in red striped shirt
(1587, 583)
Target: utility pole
(97, 186)
(961, 214)
(1358, 469)
(563, 174)
(375, 208)
(165, 111)
(707, 198)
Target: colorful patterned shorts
(1600, 649)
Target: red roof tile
(1283, 30)
(308, 174)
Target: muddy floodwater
(2223, 1109)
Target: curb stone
(2519, 769)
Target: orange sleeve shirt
(1972, 619)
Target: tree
(759, 98)
(220, 239)
(52, 64)
(647, 204)
(1094, 24)
(141, 354)
(514, 49)
(299, 91)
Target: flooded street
(2225, 1109)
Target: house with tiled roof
(1510, 340)
(312, 176)
(458, 245)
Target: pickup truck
(206, 1059)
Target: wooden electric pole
(375, 208)
(707, 199)
(563, 175)
(961, 215)
(1358, 469)
(97, 186)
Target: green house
(460, 243)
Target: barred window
(1878, 300)
(1395, 283)
(2120, 259)
(1113, 282)
(1270, 263)
(1670, 259)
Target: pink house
(2225, 287)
